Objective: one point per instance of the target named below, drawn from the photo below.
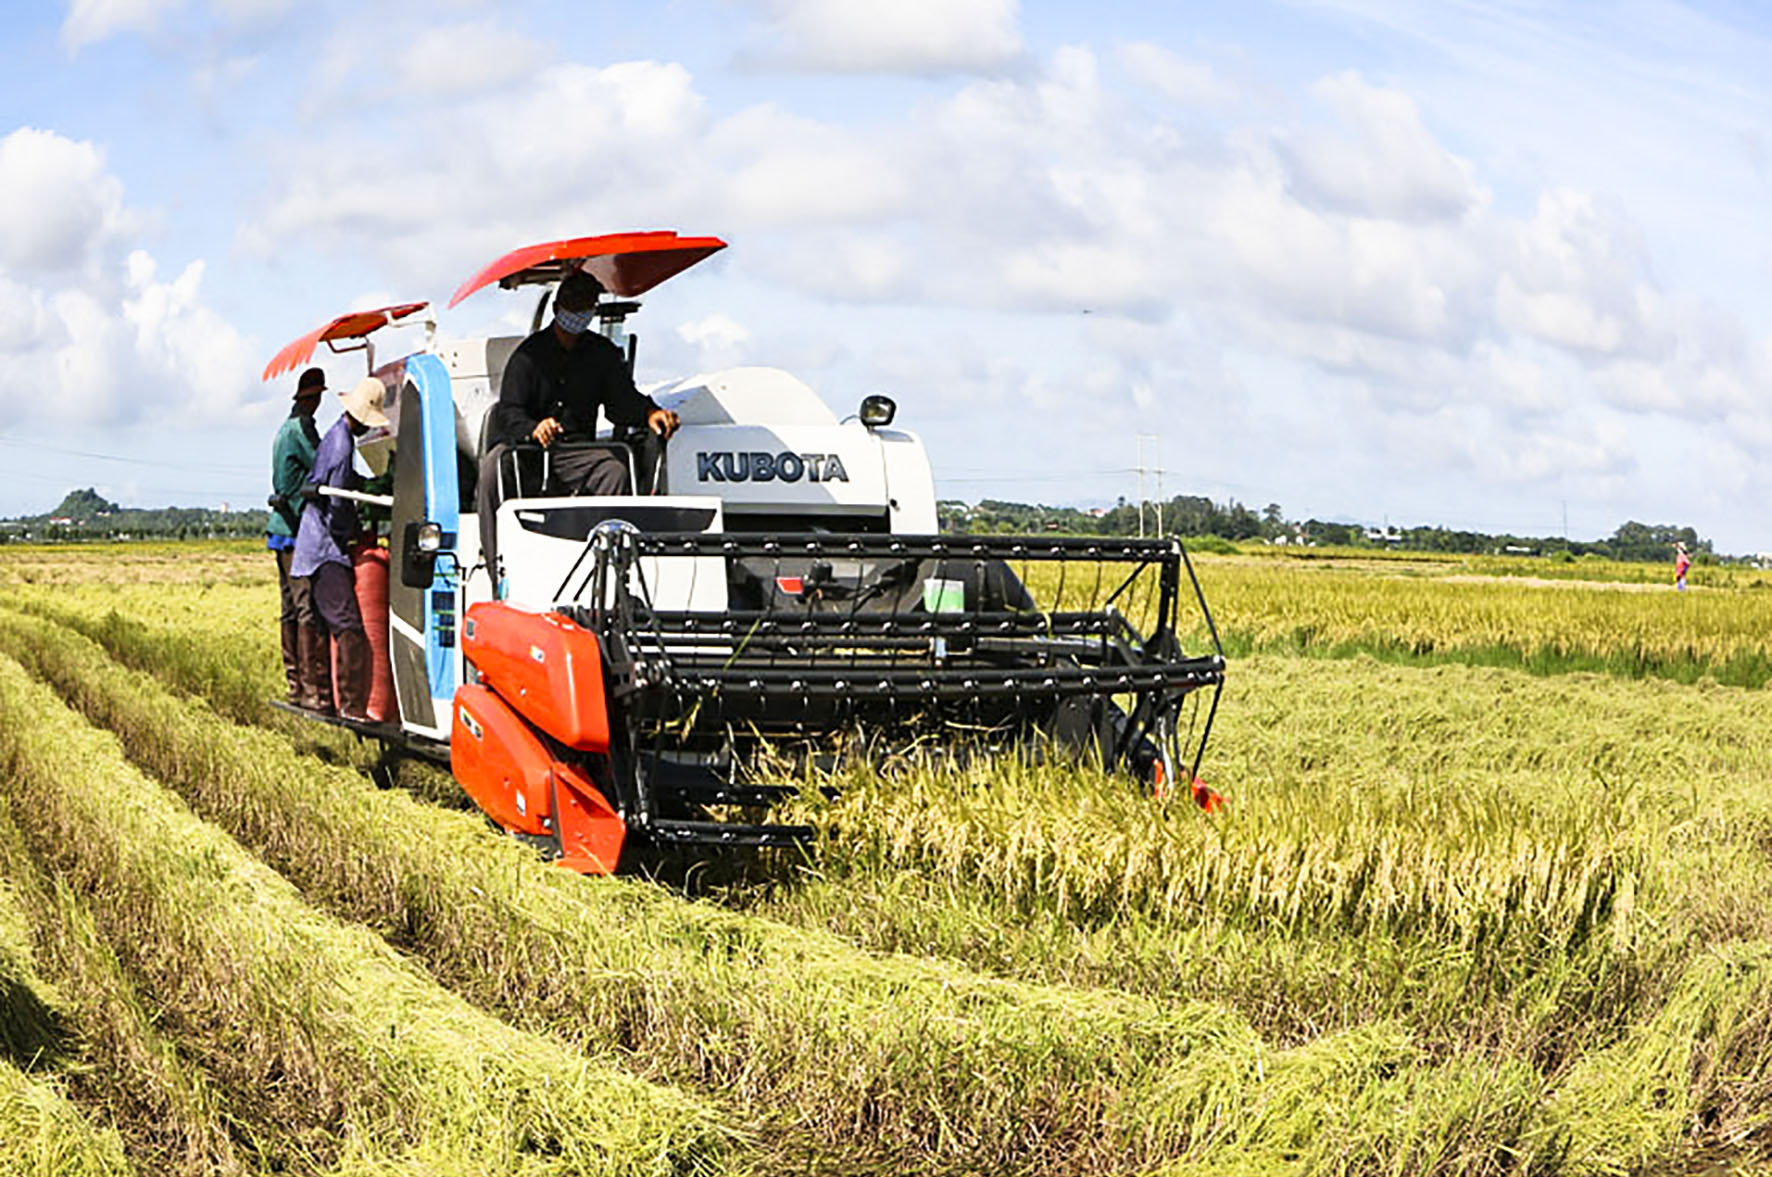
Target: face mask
(573, 322)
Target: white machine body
(758, 450)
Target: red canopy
(628, 264)
(351, 326)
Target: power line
(37, 445)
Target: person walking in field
(328, 525)
(1682, 562)
(309, 674)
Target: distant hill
(85, 514)
(84, 506)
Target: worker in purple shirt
(328, 525)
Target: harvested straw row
(43, 1135)
(172, 1116)
(1700, 1070)
(223, 665)
(30, 1016)
(358, 1059)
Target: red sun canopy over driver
(627, 264)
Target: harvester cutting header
(600, 669)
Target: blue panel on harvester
(442, 507)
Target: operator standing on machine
(553, 386)
(306, 665)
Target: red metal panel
(591, 832)
(351, 326)
(628, 264)
(545, 667)
(503, 766)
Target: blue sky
(1486, 266)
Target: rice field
(1492, 895)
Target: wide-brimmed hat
(312, 383)
(364, 402)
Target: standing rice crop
(358, 1059)
(1633, 631)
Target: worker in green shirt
(307, 647)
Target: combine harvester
(777, 580)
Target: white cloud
(716, 341)
(1386, 164)
(89, 335)
(906, 36)
(58, 205)
(572, 149)
(1191, 83)
(251, 11)
(24, 319)
(1579, 279)
(717, 330)
(461, 58)
(94, 20)
(791, 171)
(202, 360)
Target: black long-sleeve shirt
(544, 379)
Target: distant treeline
(1196, 515)
(87, 515)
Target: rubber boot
(292, 660)
(354, 672)
(314, 653)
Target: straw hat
(364, 402)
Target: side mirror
(419, 550)
(877, 411)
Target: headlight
(430, 538)
(878, 410)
